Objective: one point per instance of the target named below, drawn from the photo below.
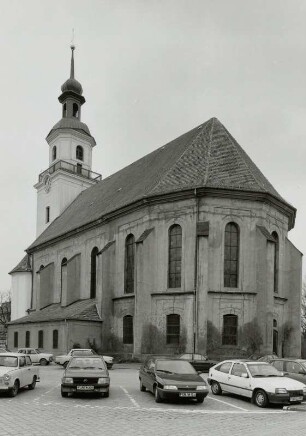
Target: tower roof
(206, 158)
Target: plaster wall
(21, 294)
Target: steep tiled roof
(23, 266)
(84, 310)
(207, 156)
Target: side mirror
(244, 375)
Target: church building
(184, 250)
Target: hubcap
(260, 398)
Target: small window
(54, 153)
(79, 153)
(175, 256)
(40, 339)
(27, 338)
(75, 110)
(47, 214)
(55, 338)
(128, 333)
(15, 339)
(230, 325)
(173, 329)
(64, 110)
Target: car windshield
(8, 361)
(261, 370)
(82, 353)
(174, 367)
(86, 363)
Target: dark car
(198, 361)
(86, 375)
(171, 379)
(293, 368)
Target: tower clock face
(47, 182)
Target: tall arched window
(275, 337)
(54, 152)
(231, 255)
(75, 110)
(230, 330)
(55, 339)
(128, 333)
(64, 110)
(63, 278)
(129, 264)
(27, 339)
(276, 261)
(175, 256)
(79, 152)
(173, 329)
(93, 272)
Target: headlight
(67, 380)
(281, 391)
(201, 388)
(6, 377)
(171, 387)
(103, 380)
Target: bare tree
(5, 308)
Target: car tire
(142, 387)
(65, 364)
(15, 389)
(261, 398)
(33, 384)
(43, 362)
(215, 388)
(64, 394)
(157, 396)
(200, 399)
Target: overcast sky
(151, 70)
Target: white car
(259, 381)
(17, 371)
(37, 356)
(64, 359)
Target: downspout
(195, 300)
(32, 281)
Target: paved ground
(130, 412)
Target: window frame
(55, 339)
(79, 153)
(173, 329)
(93, 272)
(231, 255)
(175, 251)
(129, 264)
(128, 330)
(227, 338)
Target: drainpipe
(195, 300)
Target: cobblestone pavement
(130, 412)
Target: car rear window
(224, 367)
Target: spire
(72, 62)
(72, 84)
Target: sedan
(198, 361)
(259, 381)
(86, 375)
(171, 379)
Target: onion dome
(72, 84)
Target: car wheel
(261, 398)
(15, 389)
(142, 387)
(64, 394)
(216, 388)
(33, 384)
(157, 395)
(43, 362)
(65, 364)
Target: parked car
(37, 356)
(65, 358)
(259, 381)
(198, 361)
(268, 358)
(86, 374)
(293, 368)
(3, 350)
(170, 379)
(16, 371)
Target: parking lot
(130, 412)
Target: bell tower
(70, 156)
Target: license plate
(85, 388)
(187, 394)
(296, 399)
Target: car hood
(6, 370)
(180, 379)
(277, 382)
(85, 373)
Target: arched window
(175, 256)
(173, 329)
(231, 255)
(128, 333)
(230, 330)
(275, 337)
(93, 272)
(64, 110)
(55, 338)
(129, 264)
(75, 110)
(27, 339)
(63, 278)
(54, 152)
(79, 152)
(40, 339)
(276, 262)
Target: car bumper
(91, 389)
(167, 394)
(285, 398)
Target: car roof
(244, 361)
(12, 354)
(94, 356)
